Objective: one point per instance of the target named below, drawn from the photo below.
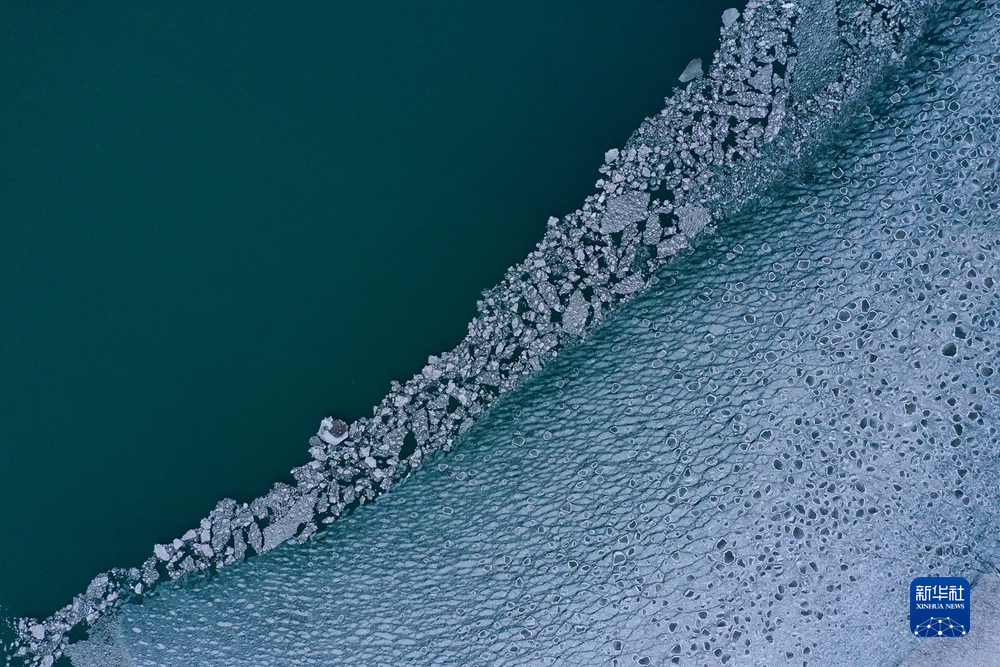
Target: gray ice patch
(692, 71)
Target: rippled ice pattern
(746, 466)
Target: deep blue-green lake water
(221, 222)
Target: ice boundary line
(716, 143)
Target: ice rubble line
(659, 191)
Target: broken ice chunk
(651, 235)
(671, 246)
(255, 538)
(611, 155)
(691, 219)
(286, 525)
(630, 285)
(729, 16)
(332, 431)
(574, 318)
(762, 79)
(623, 210)
(692, 71)
(776, 117)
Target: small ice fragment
(611, 155)
(332, 431)
(38, 631)
(729, 16)
(161, 552)
(692, 71)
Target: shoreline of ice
(714, 145)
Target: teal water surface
(220, 223)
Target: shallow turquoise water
(221, 223)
